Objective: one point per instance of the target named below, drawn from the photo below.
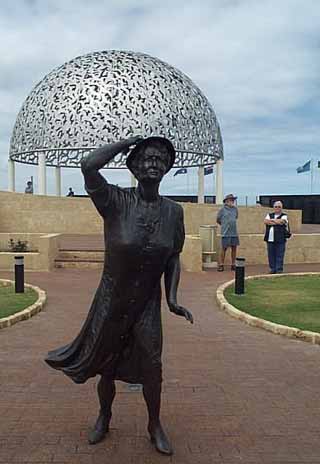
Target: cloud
(257, 62)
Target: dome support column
(42, 174)
(219, 182)
(133, 180)
(201, 184)
(57, 170)
(11, 176)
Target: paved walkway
(232, 393)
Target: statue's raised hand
(131, 141)
(134, 140)
(181, 311)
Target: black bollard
(19, 274)
(239, 277)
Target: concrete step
(78, 264)
(80, 259)
(81, 255)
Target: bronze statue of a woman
(121, 338)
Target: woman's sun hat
(150, 141)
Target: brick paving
(232, 393)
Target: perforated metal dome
(105, 96)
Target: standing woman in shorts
(227, 219)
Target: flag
(318, 164)
(208, 170)
(180, 171)
(305, 168)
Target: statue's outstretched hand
(181, 311)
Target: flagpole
(188, 182)
(311, 175)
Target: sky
(256, 62)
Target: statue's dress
(122, 335)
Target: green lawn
(11, 302)
(288, 300)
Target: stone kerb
(279, 329)
(26, 313)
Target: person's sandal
(233, 267)
(220, 268)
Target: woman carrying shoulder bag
(276, 235)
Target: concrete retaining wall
(36, 213)
(301, 248)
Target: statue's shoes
(160, 441)
(100, 430)
(95, 436)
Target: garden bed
(19, 307)
(11, 302)
(289, 300)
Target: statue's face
(151, 165)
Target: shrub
(19, 245)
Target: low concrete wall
(191, 256)
(36, 213)
(31, 239)
(25, 216)
(45, 246)
(301, 248)
(48, 250)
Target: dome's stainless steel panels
(104, 96)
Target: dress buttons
(124, 316)
(132, 301)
